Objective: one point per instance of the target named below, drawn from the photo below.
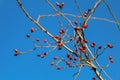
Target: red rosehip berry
(81, 48)
(76, 22)
(28, 35)
(59, 44)
(110, 57)
(45, 41)
(109, 45)
(59, 67)
(52, 63)
(56, 36)
(85, 26)
(70, 57)
(85, 13)
(78, 28)
(75, 59)
(94, 43)
(62, 31)
(68, 63)
(55, 57)
(63, 4)
(86, 41)
(32, 29)
(84, 47)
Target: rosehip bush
(70, 37)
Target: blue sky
(14, 27)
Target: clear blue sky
(13, 29)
